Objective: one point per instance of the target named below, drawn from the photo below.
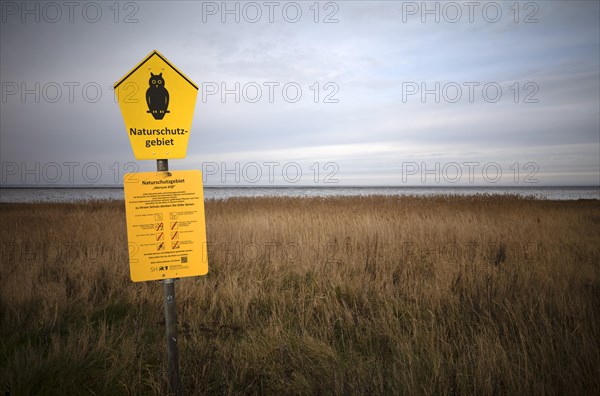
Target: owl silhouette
(157, 97)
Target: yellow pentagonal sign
(157, 102)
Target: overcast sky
(377, 93)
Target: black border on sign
(146, 60)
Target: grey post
(162, 165)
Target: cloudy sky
(312, 93)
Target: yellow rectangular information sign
(166, 230)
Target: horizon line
(333, 185)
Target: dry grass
(372, 295)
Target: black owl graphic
(157, 97)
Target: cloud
(361, 65)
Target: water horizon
(321, 186)
(84, 193)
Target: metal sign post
(162, 165)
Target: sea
(78, 194)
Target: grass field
(360, 295)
